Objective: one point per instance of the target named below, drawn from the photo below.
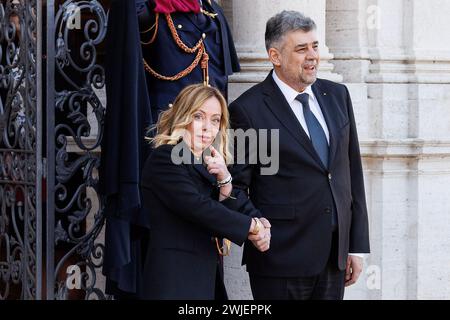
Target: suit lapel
(195, 164)
(222, 24)
(194, 17)
(281, 109)
(201, 169)
(328, 109)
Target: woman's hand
(216, 165)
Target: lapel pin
(324, 93)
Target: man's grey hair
(284, 22)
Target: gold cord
(155, 25)
(227, 245)
(198, 48)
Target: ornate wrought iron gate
(51, 125)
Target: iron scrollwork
(80, 27)
(18, 147)
(76, 84)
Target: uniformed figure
(146, 67)
(183, 48)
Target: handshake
(259, 234)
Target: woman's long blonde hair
(174, 121)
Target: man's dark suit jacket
(181, 201)
(299, 199)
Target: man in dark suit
(316, 201)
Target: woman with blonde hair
(188, 194)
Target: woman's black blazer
(185, 216)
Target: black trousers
(327, 285)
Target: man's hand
(262, 240)
(353, 269)
(265, 223)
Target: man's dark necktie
(318, 139)
(316, 133)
